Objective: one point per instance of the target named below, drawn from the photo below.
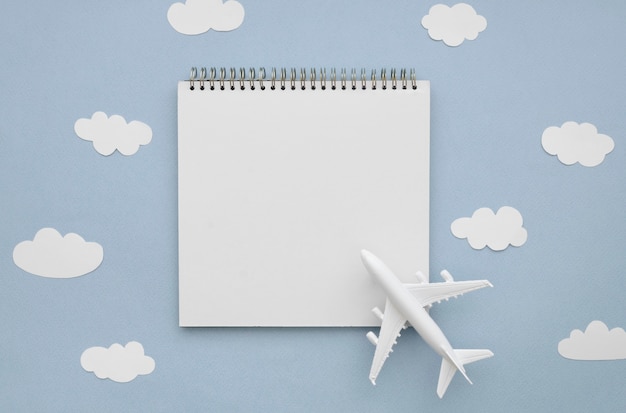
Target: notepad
(280, 188)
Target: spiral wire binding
(217, 79)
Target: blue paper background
(538, 64)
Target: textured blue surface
(538, 64)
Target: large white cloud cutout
(596, 343)
(574, 142)
(109, 134)
(453, 24)
(118, 363)
(497, 231)
(199, 16)
(54, 256)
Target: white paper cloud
(574, 142)
(453, 24)
(199, 16)
(118, 363)
(113, 133)
(596, 343)
(497, 231)
(51, 255)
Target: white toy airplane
(405, 304)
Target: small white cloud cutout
(497, 231)
(574, 142)
(453, 24)
(596, 343)
(109, 134)
(199, 16)
(118, 363)
(54, 256)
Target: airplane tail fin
(455, 360)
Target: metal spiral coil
(232, 79)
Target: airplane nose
(368, 258)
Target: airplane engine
(378, 313)
(446, 276)
(421, 278)
(372, 338)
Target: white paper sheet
(279, 190)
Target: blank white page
(280, 190)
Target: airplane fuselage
(408, 305)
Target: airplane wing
(392, 323)
(430, 293)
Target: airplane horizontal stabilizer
(470, 356)
(448, 367)
(445, 376)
